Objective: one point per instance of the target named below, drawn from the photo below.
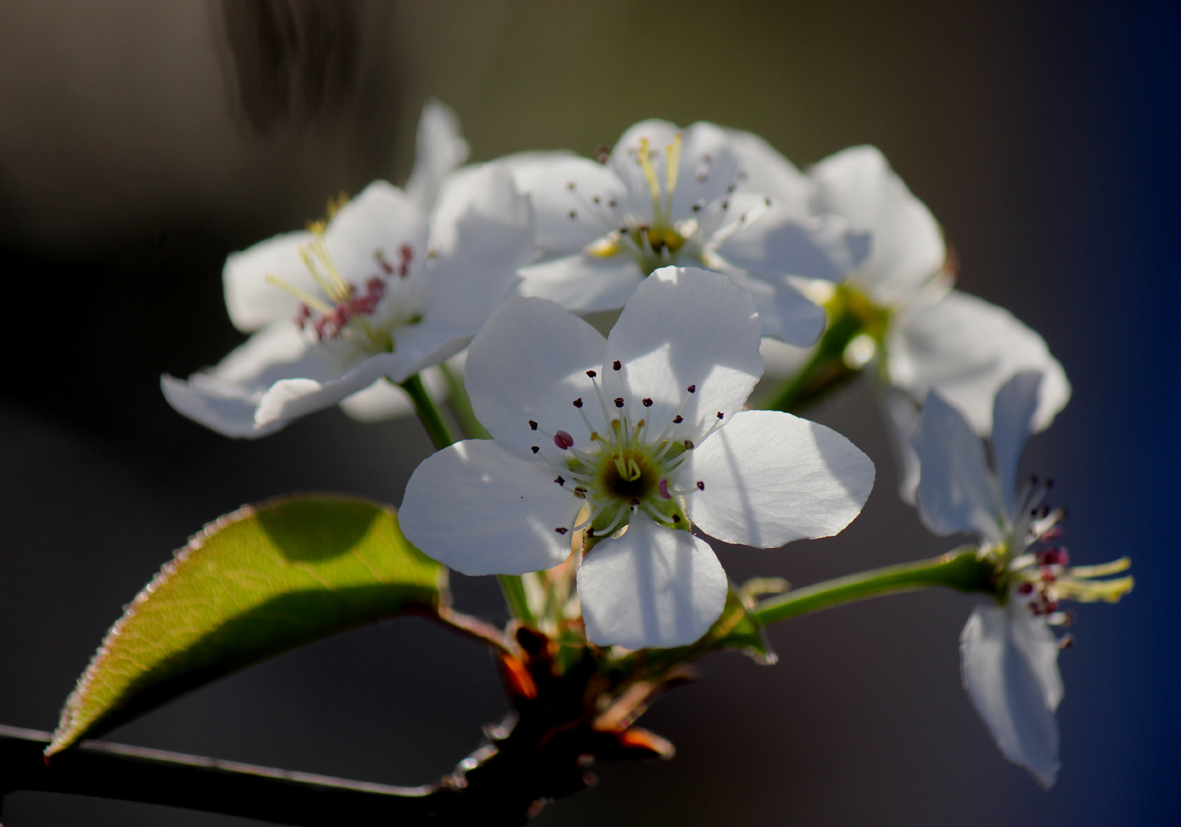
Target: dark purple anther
(617, 365)
(563, 440)
(700, 485)
(532, 425)
(1054, 557)
(663, 489)
(619, 401)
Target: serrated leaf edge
(64, 735)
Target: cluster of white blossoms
(636, 440)
(616, 455)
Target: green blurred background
(140, 142)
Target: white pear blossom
(927, 335)
(439, 149)
(1008, 652)
(635, 440)
(380, 290)
(667, 196)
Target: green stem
(962, 569)
(513, 588)
(825, 371)
(461, 405)
(428, 414)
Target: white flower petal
(780, 243)
(583, 283)
(278, 351)
(227, 409)
(225, 397)
(651, 587)
(968, 348)
(767, 478)
(529, 363)
(685, 327)
(568, 218)
(956, 491)
(1012, 423)
(1010, 671)
(765, 171)
(908, 248)
(439, 148)
(707, 169)
(482, 232)
(482, 218)
(375, 224)
(784, 312)
(252, 301)
(422, 345)
(289, 399)
(1039, 648)
(481, 510)
(781, 359)
(383, 400)
(801, 321)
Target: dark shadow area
(316, 530)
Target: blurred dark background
(140, 142)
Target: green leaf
(257, 582)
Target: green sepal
(257, 582)
(736, 629)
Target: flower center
(652, 241)
(629, 469)
(629, 475)
(1038, 569)
(361, 320)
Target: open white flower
(634, 440)
(439, 148)
(926, 334)
(1009, 655)
(666, 196)
(380, 290)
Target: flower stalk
(428, 414)
(963, 569)
(850, 315)
(461, 405)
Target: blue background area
(142, 142)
